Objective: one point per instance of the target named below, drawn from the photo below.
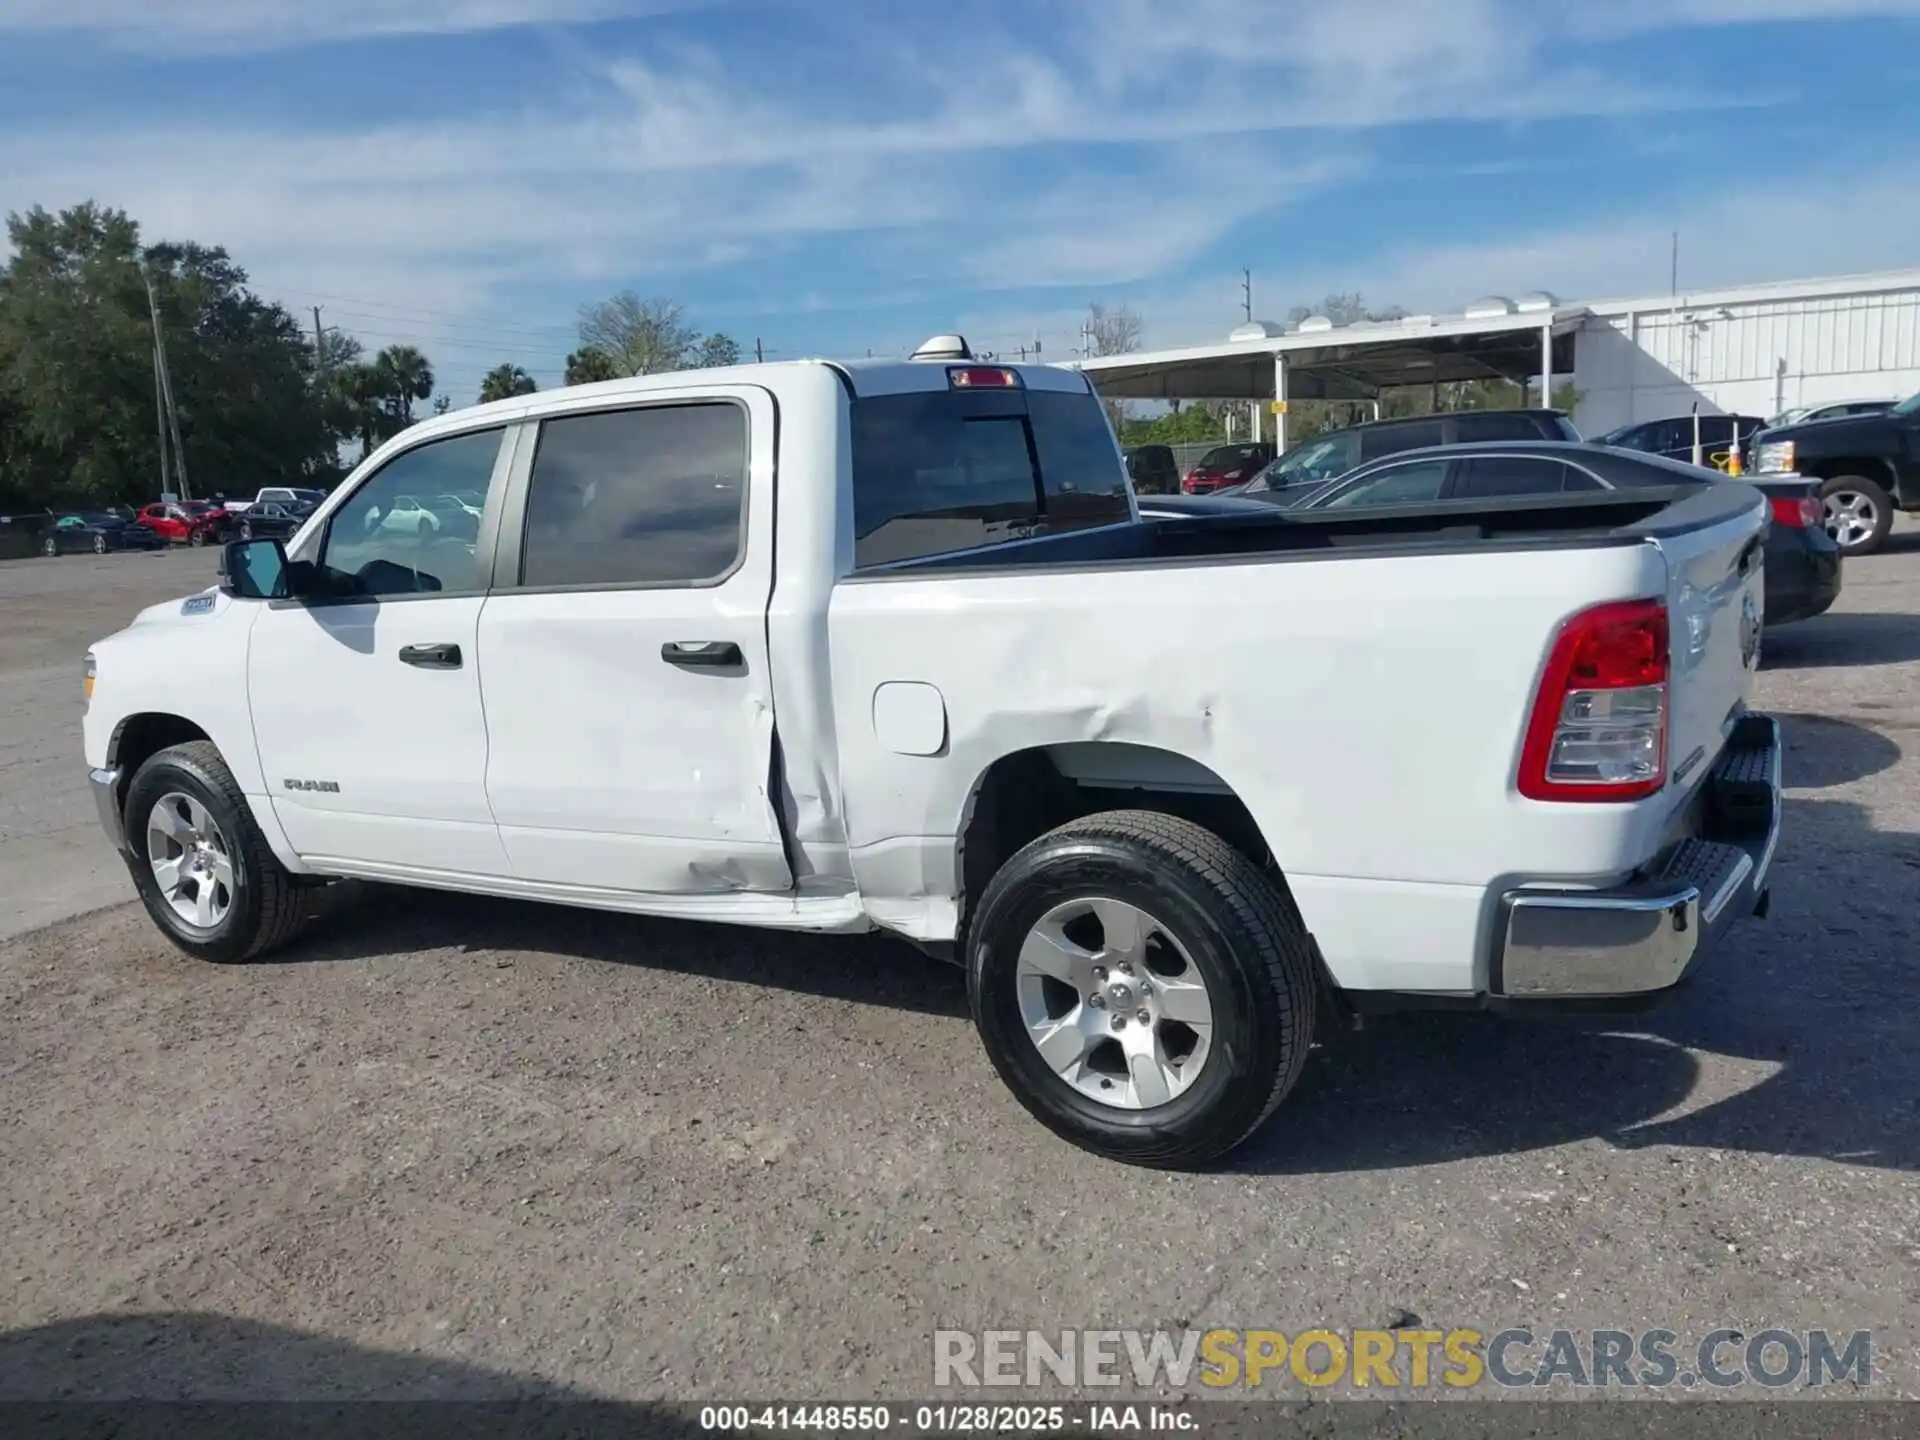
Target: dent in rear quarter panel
(1368, 711)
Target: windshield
(1909, 406)
(1312, 463)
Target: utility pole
(1675, 290)
(1246, 293)
(759, 351)
(319, 345)
(165, 383)
(160, 418)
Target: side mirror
(255, 570)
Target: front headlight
(1773, 458)
(88, 668)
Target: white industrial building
(1751, 350)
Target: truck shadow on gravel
(1814, 1006)
(866, 969)
(1833, 641)
(183, 1373)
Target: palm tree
(403, 376)
(503, 382)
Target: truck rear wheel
(1144, 989)
(1859, 513)
(203, 869)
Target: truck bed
(1251, 530)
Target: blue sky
(838, 175)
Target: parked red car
(1226, 465)
(186, 522)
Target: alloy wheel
(1114, 1004)
(191, 860)
(1851, 518)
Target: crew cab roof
(863, 377)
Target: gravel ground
(455, 1146)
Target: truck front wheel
(1144, 989)
(203, 869)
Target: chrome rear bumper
(1645, 936)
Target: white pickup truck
(833, 647)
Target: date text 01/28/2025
(947, 1419)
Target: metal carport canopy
(1349, 362)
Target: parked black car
(271, 520)
(1719, 436)
(1868, 466)
(1153, 470)
(1802, 561)
(96, 532)
(1320, 459)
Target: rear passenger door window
(1490, 476)
(649, 496)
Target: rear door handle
(431, 657)
(702, 654)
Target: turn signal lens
(88, 668)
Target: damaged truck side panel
(830, 648)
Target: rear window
(941, 471)
(1470, 429)
(1222, 455)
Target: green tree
(77, 391)
(643, 337)
(503, 382)
(716, 351)
(403, 376)
(588, 366)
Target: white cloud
(1163, 128)
(1747, 237)
(197, 25)
(1621, 17)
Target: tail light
(1599, 725)
(1806, 513)
(1190, 483)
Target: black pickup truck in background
(1868, 466)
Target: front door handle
(431, 657)
(702, 654)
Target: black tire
(50, 548)
(246, 530)
(268, 906)
(1238, 927)
(196, 537)
(1872, 493)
